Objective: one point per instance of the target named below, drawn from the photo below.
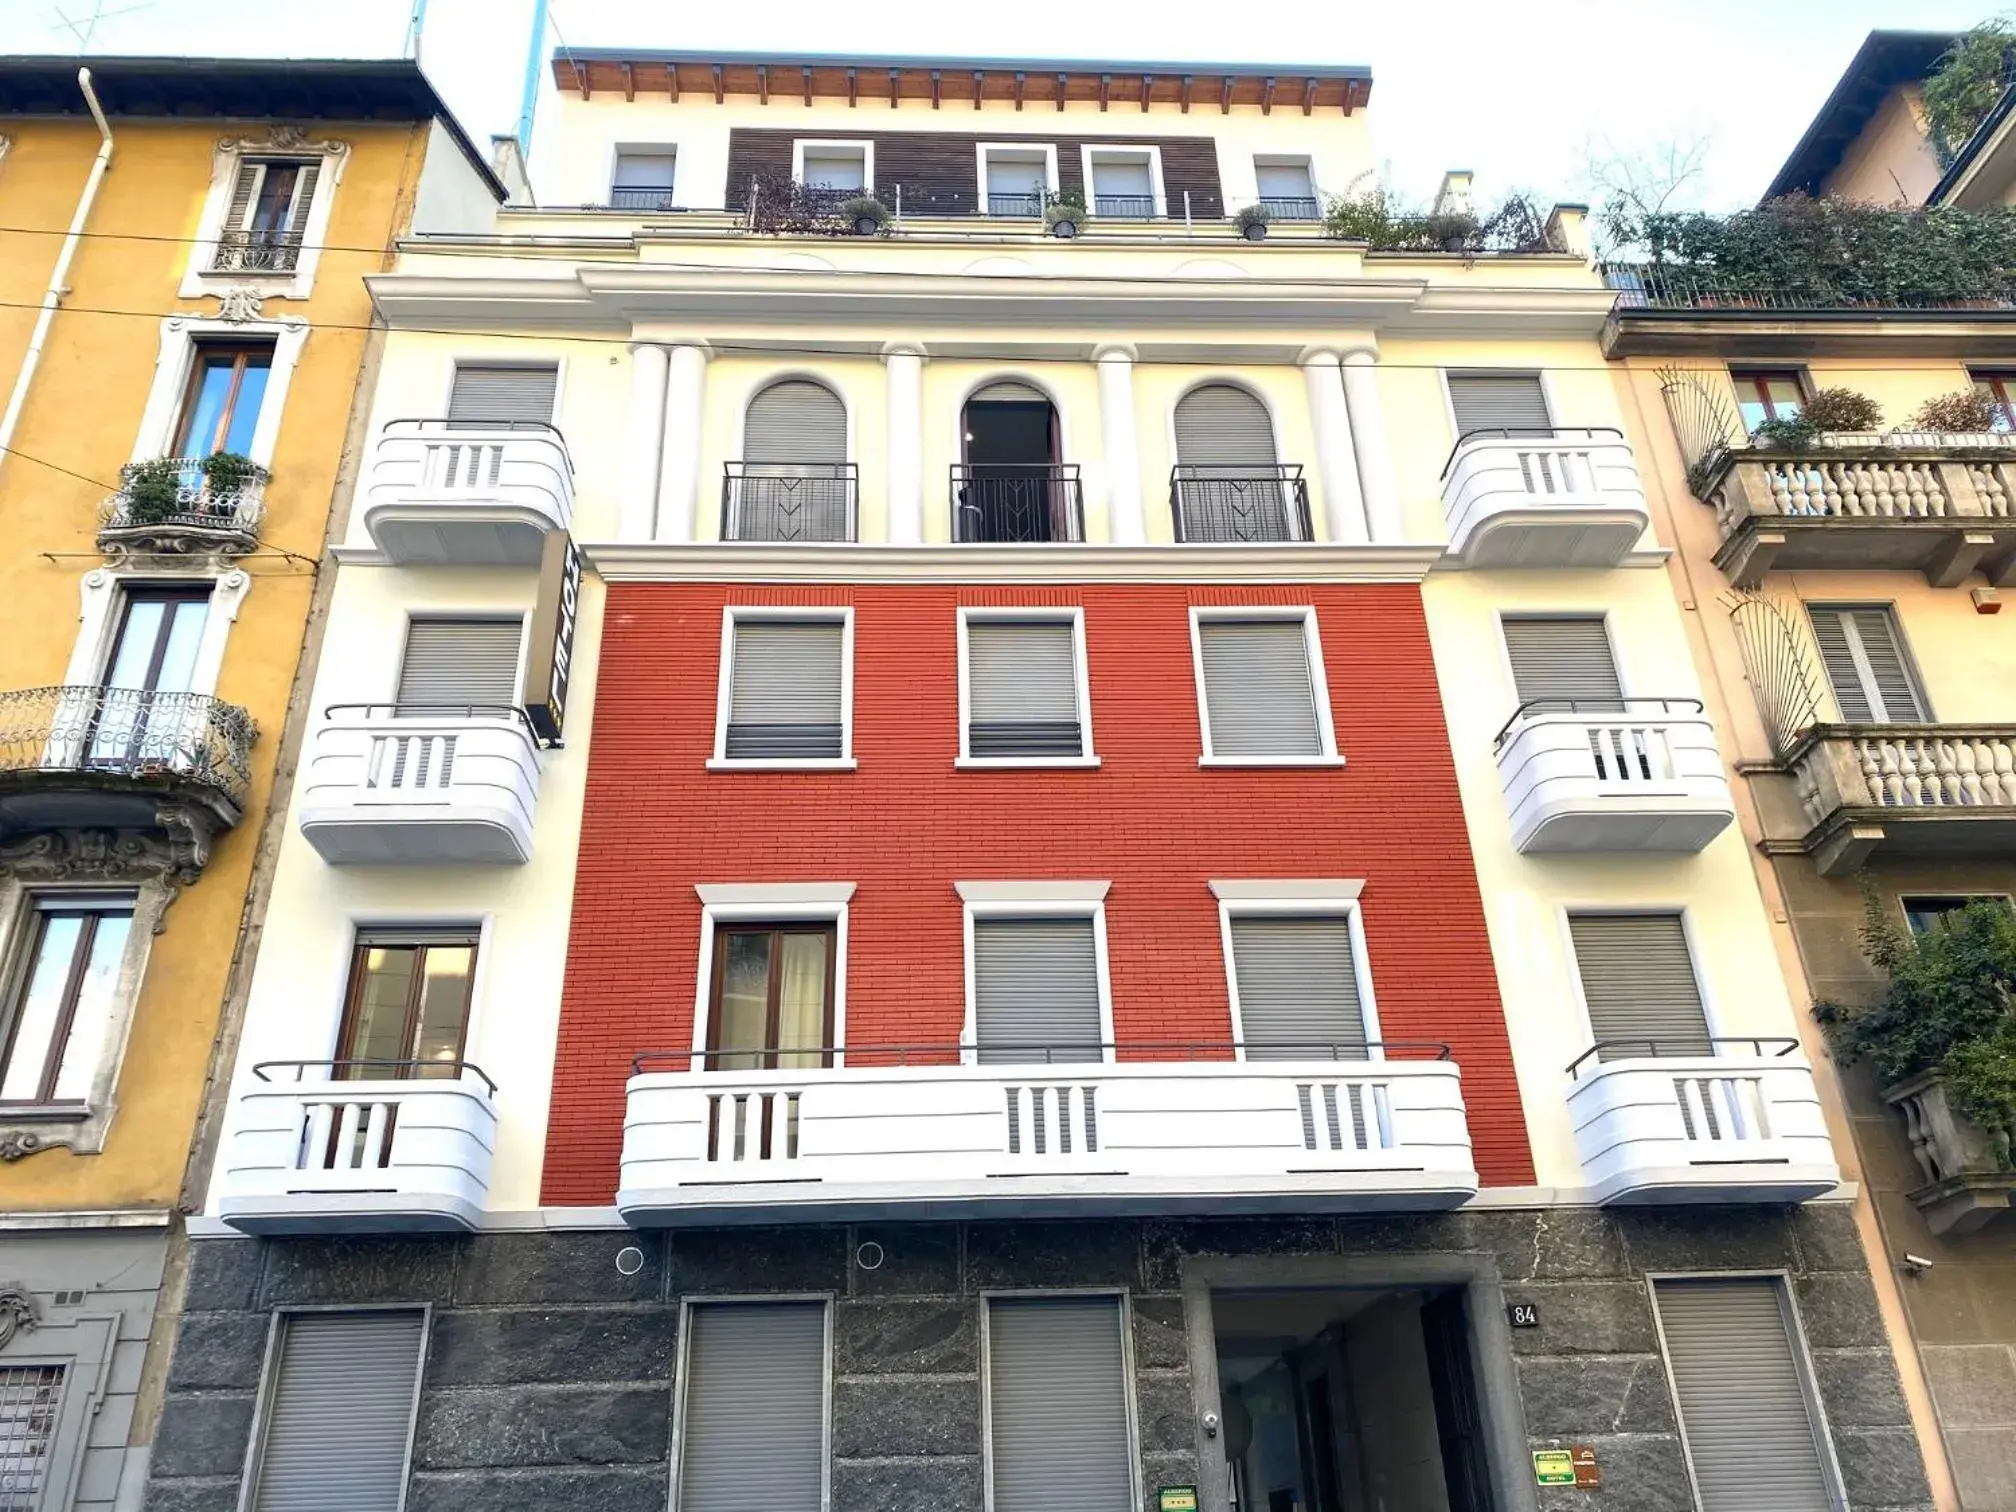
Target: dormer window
(643, 178)
(1287, 188)
(835, 171)
(1124, 182)
(1015, 178)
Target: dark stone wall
(549, 1375)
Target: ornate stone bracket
(281, 137)
(19, 1311)
(19, 1144)
(241, 303)
(174, 856)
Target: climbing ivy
(1968, 79)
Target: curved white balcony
(1636, 774)
(443, 493)
(1563, 498)
(405, 785)
(1745, 1126)
(890, 1140)
(317, 1149)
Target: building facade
(1049, 843)
(182, 361)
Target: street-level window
(786, 693)
(1024, 681)
(30, 1398)
(61, 1013)
(1263, 698)
(752, 1409)
(1923, 913)
(1862, 648)
(1768, 394)
(220, 408)
(1638, 984)
(1057, 1417)
(338, 1410)
(772, 997)
(407, 1009)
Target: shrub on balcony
(1829, 411)
(865, 209)
(152, 490)
(227, 473)
(1948, 1009)
(1375, 216)
(1965, 84)
(1966, 413)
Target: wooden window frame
(183, 444)
(369, 939)
(773, 1006)
(150, 594)
(93, 909)
(1750, 385)
(2001, 386)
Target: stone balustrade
(1953, 787)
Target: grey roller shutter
(1498, 402)
(1298, 989)
(1022, 688)
(646, 170)
(1863, 651)
(491, 395)
(1259, 696)
(1283, 181)
(785, 689)
(1564, 659)
(1638, 981)
(339, 1413)
(1035, 991)
(1219, 425)
(1057, 1406)
(753, 1438)
(795, 421)
(1751, 1435)
(1009, 392)
(454, 662)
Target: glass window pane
(91, 1026)
(41, 1001)
(378, 1021)
(134, 654)
(276, 197)
(245, 408)
(444, 1004)
(742, 1015)
(178, 657)
(801, 998)
(207, 404)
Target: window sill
(1289, 762)
(1025, 763)
(41, 1112)
(780, 764)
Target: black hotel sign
(551, 657)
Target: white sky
(1512, 89)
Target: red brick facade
(906, 825)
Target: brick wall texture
(906, 825)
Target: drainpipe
(58, 278)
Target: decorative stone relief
(281, 137)
(18, 1311)
(240, 303)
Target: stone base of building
(549, 1372)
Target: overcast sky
(1513, 89)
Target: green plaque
(1176, 1499)
(1553, 1467)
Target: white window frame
(80, 1341)
(176, 358)
(460, 360)
(1307, 898)
(761, 903)
(1442, 376)
(620, 150)
(677, 1448)
(1858, 653)
(826, 146)
(200, 279)
(1071, 614)
(1024, 150)
(1319, 683)
(1696, 963)
(1148, 150)
(101, 606)
(989, 1296)
(1303, 160)
(733, 614)
(1601, 616)
(1034, 900)
(362, 922)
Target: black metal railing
(257, 252)
(1049, 1052)
(789, 501)
(1654, 286)
(135, 733)
(176, 494)
(1124, 206)
(358, 1069)
(1017, 501)
(1655, 1048)
(1623, 708)
(640, 197)
(1245, 503)
(1290, 208)
(1015, 204)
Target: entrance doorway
(1349, 1400)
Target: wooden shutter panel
(304, 196)
(502, 395)
(339, 1414)
(1751, 1435)
(1566, 659)
(456, 662)
(1035, 991)
(1638, 981)
(1298, 989)
(754, 1430)
(1219, 425)
(784, 692)
(1863, 652)
(242, 188)
(1057, 1406)
(795, 421)
(1259, 697)
(1022, 688)
(1498, 402)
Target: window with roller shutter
(795, 421)
(1638, 983)
(1499, 402)
(1262, 699)
(786, 698)
(337, 1421)
(752, 1410)
(1036, 997)
(1862, 649)
(1022, 689)
(502, 395)
(1059, 1431)
(457, 663)
(1562, 660)
(1297, 980)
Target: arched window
(1013, 484)
(794, 482)
(1229, 484)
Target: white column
(647, 438)
(1375, 457)
(905, 370)
(679, 472)
(1125, 524)
(1336, 463)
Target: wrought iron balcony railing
(257, 252)
(175, 505)
(1017, 502)
(1290, 208)
(132, 733)
(1218, 504)
(1124, 206)
(1015, 204)
(789, 501)
(647, 197)
(1648, 286)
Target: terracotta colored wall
(906, 826)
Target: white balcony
(310, 1154)
(1642, 775)
(1027, 1140)
(1739, 1127)
(1569, 498)
(482, 495)
(396, 785)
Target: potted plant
(1064, 213)
(865, 213)
(1252, 222)
(152, 490)
(226, 477)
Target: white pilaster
(905, 372)
(1336, 461)
(1375, 457)
(679, 472)
(1125, 521)
(648, 368)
